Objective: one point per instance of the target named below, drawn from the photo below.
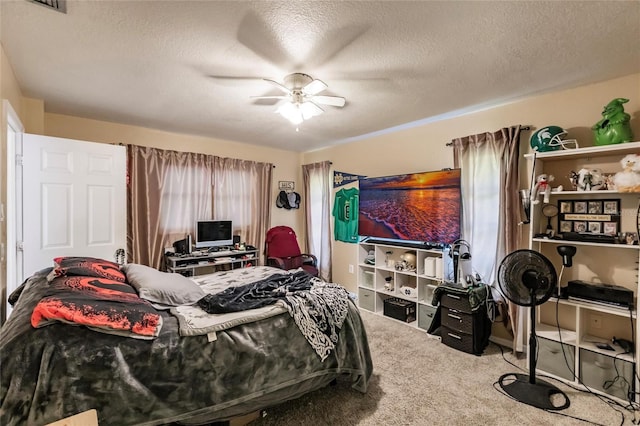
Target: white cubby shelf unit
(377, 268)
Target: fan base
(540, 394)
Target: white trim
(11, 120)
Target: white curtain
(242, 194)
(317, 201)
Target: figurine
(590, 179)
(614, 126)
(573, 178)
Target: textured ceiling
(191, 66)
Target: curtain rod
(330, 162)
(521, 128)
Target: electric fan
(527, 278)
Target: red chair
(282, 251)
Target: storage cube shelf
(380, 279)
(569, 330)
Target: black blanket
(256, 294)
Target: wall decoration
(342, 178)
(594, 216)
(345, 213)
(286, 185)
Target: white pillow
(163, 289)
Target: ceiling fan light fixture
(309, 110)
(291, 112)
(303, 99)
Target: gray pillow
(163, 289)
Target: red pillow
(101, 304)
(86, 267)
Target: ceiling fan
(302, 98)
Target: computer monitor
(214, 233)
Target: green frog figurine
(614, 126)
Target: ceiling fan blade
(269, 97)
(336, 101)
(285, 89)
(316, 86)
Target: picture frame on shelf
(631, 238)
(596, 216)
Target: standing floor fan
(527, 278)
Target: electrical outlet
(596, 321)
(351, 269)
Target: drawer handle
(454, 336)
(454, 317)
(453, 296)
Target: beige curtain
(490, 184)
(167, 192)
(242, 194)
(317, 205)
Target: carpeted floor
(419, 381)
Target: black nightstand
(463, 317)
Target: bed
(192, 371)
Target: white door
(74, 200)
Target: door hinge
(19, 160)
(20, 246)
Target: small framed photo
(631, 238)
(565, 226)
(610, 228)
(580, 207)
(595, 207)
(595, 227)
(611, 207)
(565, 207)
(579, 226)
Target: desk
(208, 262)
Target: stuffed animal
(590, 180)
(542, 186)
(628, 180)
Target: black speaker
(236, 239)
(183, 246)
